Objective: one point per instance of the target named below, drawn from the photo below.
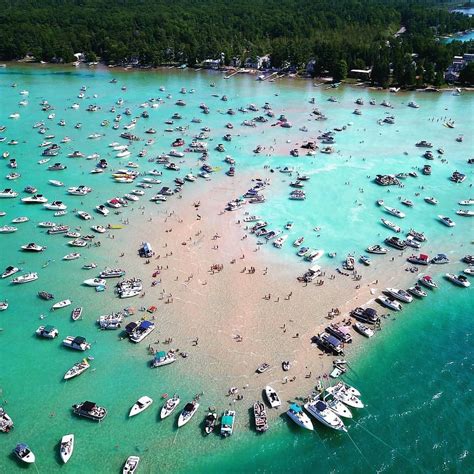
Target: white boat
(272, 397)
(466, 202)
(465, 213)
(61, 304)
(188, 412)
(313, 255)
(101, 209)
(35, 199)
(6, 423)
(169, 406)
(363, 329)
(394, 212)
(278, 243)
(78, 343)
(79, 190)
(140, 405)
(227, 423)
(66, 447)
(298, 241)
(95, 282)
(32, 247)
(296, 413)
(55, 206)
(26, 278)
(8, 193)
(345, 396)
(8, 229)
(24, 453)
(84, 215)
(48, 332)
(76, 313)
(427, 281)
(459, 280)
(3, 305)
(321, 411)
(131, 465)
(77, 369)
(446, 221)
(20, 220)
(55, 182)
(391, 225)
(399, 294)
(389, 303)
(72, 256)
(337, 406)
(163, 358)
(100, 229)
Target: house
(258, 62)
(211, 63)
(363, 74)
(459, 63)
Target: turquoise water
(415, 376)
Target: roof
(160, 355)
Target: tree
(429, 74)
(339, 70)
(466, 76)
(381, 72)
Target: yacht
(48, 332)
(227, 423)
(77, 369)
(141, 405)
(260, 416)
(389, 303)
(345, 396)
(459, 280)
(26, 278)
(24, 453)
(363, 329)
(90, 410)
(188, 412)
(446, 221)
(421, 259)
(396, 242)
(272, 397)
(399, 294)
(8, 193)
(328, 343)
(66, 447)
(131, 465)
(296, 413)
(78, 343)
(35, 199)
(163, 358)
(321, 411)
(395, 212)
(169, 406)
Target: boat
(272, 397)
(440, 259)
(431, 200)
(35, 199)
(44, 295)
(328, 343)
(260, 416)
(188, 412)
(321, 411)
(72, 256)
(296, 414)
(389, 303)
(131, 465)
(20, 220)
(24, 453)
(417, 291)
(95, 281)
(210, 422)
(466, 202)
(84, 215)
(399, 294)
(377, 249)
(427, 281)
(76, 313)
(90, 410)
(396, 242)
(26, 278)
(48, 332)
(421, 259)
(61, 304)
(394, 212)
(140, 405)
(391, 225)
(78, 343)
(163, 358)
(77, 369)
(227, 423)
(140, 331)
(459, 280)
(363, 329)
(6, 423)
(66, 447)
(465, 213)
(446, 221)
(8, 229)
(112, 273)
(32, 247)
(262, 368)
(8, 193)
(340, 331)
(55, 206)
(169, 406)
(365, 260)
(345, 396)
(3, 305)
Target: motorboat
(417, 291)
(9, 271)
(84, 215)
(32, 247)
(140, 405)
(262, 368)
(321, 411)
(427, 281)
(26, 278)
(20, 220)
(55, 206)
(72, 256)
(95, 282)
(163, 358)
(419, 236)
(363, 329)
(377, 249)
(328, 343)
(76, 313)
(142, 330)
(210, 422)
(8, 229)
(227, 423)
(66, 447)
(446, 221)
(48, 332)
(459, 280)
(188, 412)
(169, 406)
(131, 465)
(77, 369)
(421, 259)
(90, 410)
(296, 414)
(61, 304)
(110, 321)
(391, 225)
(8, 193)
(112, 273)
(466, 202)
(394, 212)
(465, 212)
(400, 294)
(431, 200)
(24, 453)
(3, 305)
(79, 190)
(272, 397)
(77, 343)
(396, 242)
(6, 423)
(260, 417)
(389, 303)
(339, 392)
(35, 199)
(44, 295)
(440, 259)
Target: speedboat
(9, 271)
(163, 358)
(24, 453)
(35, 199)
(417, 291)
(400, 294)
(391, 225)
(446, 221)
(363, 329)
(131, 465)
(90, 410)
(8, 229)
(440, 259)
(101, 209)
(77, 369)
(227, 423)
(296, 413)
(8, 193)
(76, 313)
(427, 281)
(84, 215)
(20, 220)
(188, 412)
(210, 422)
(95, 282)
(26, 278)
(6, 423)
(260, 415)
(337, 406)
(66, 447)
(465, 213)
(389, 303)
(56, 206)
(459, 280)
(32, 247)
(320, 410)
(431, 200)
(346, 394)
(377, 249)
(48, 332)
(140, 405)
(72, 256)
(169, 406)
(272, 397)
(395, 212)
(61, 304)
(78, 343)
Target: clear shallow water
(415, 376)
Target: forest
(337, 35)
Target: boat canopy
(88, 406)
(344, 330)
(227, 420)
(423, 257)
(370, 312)
(79, 340)
(334, 341)
(145, 324)
(296, 408)
(48, 328)
(320, 405)
(130, 327)
(160, 355)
